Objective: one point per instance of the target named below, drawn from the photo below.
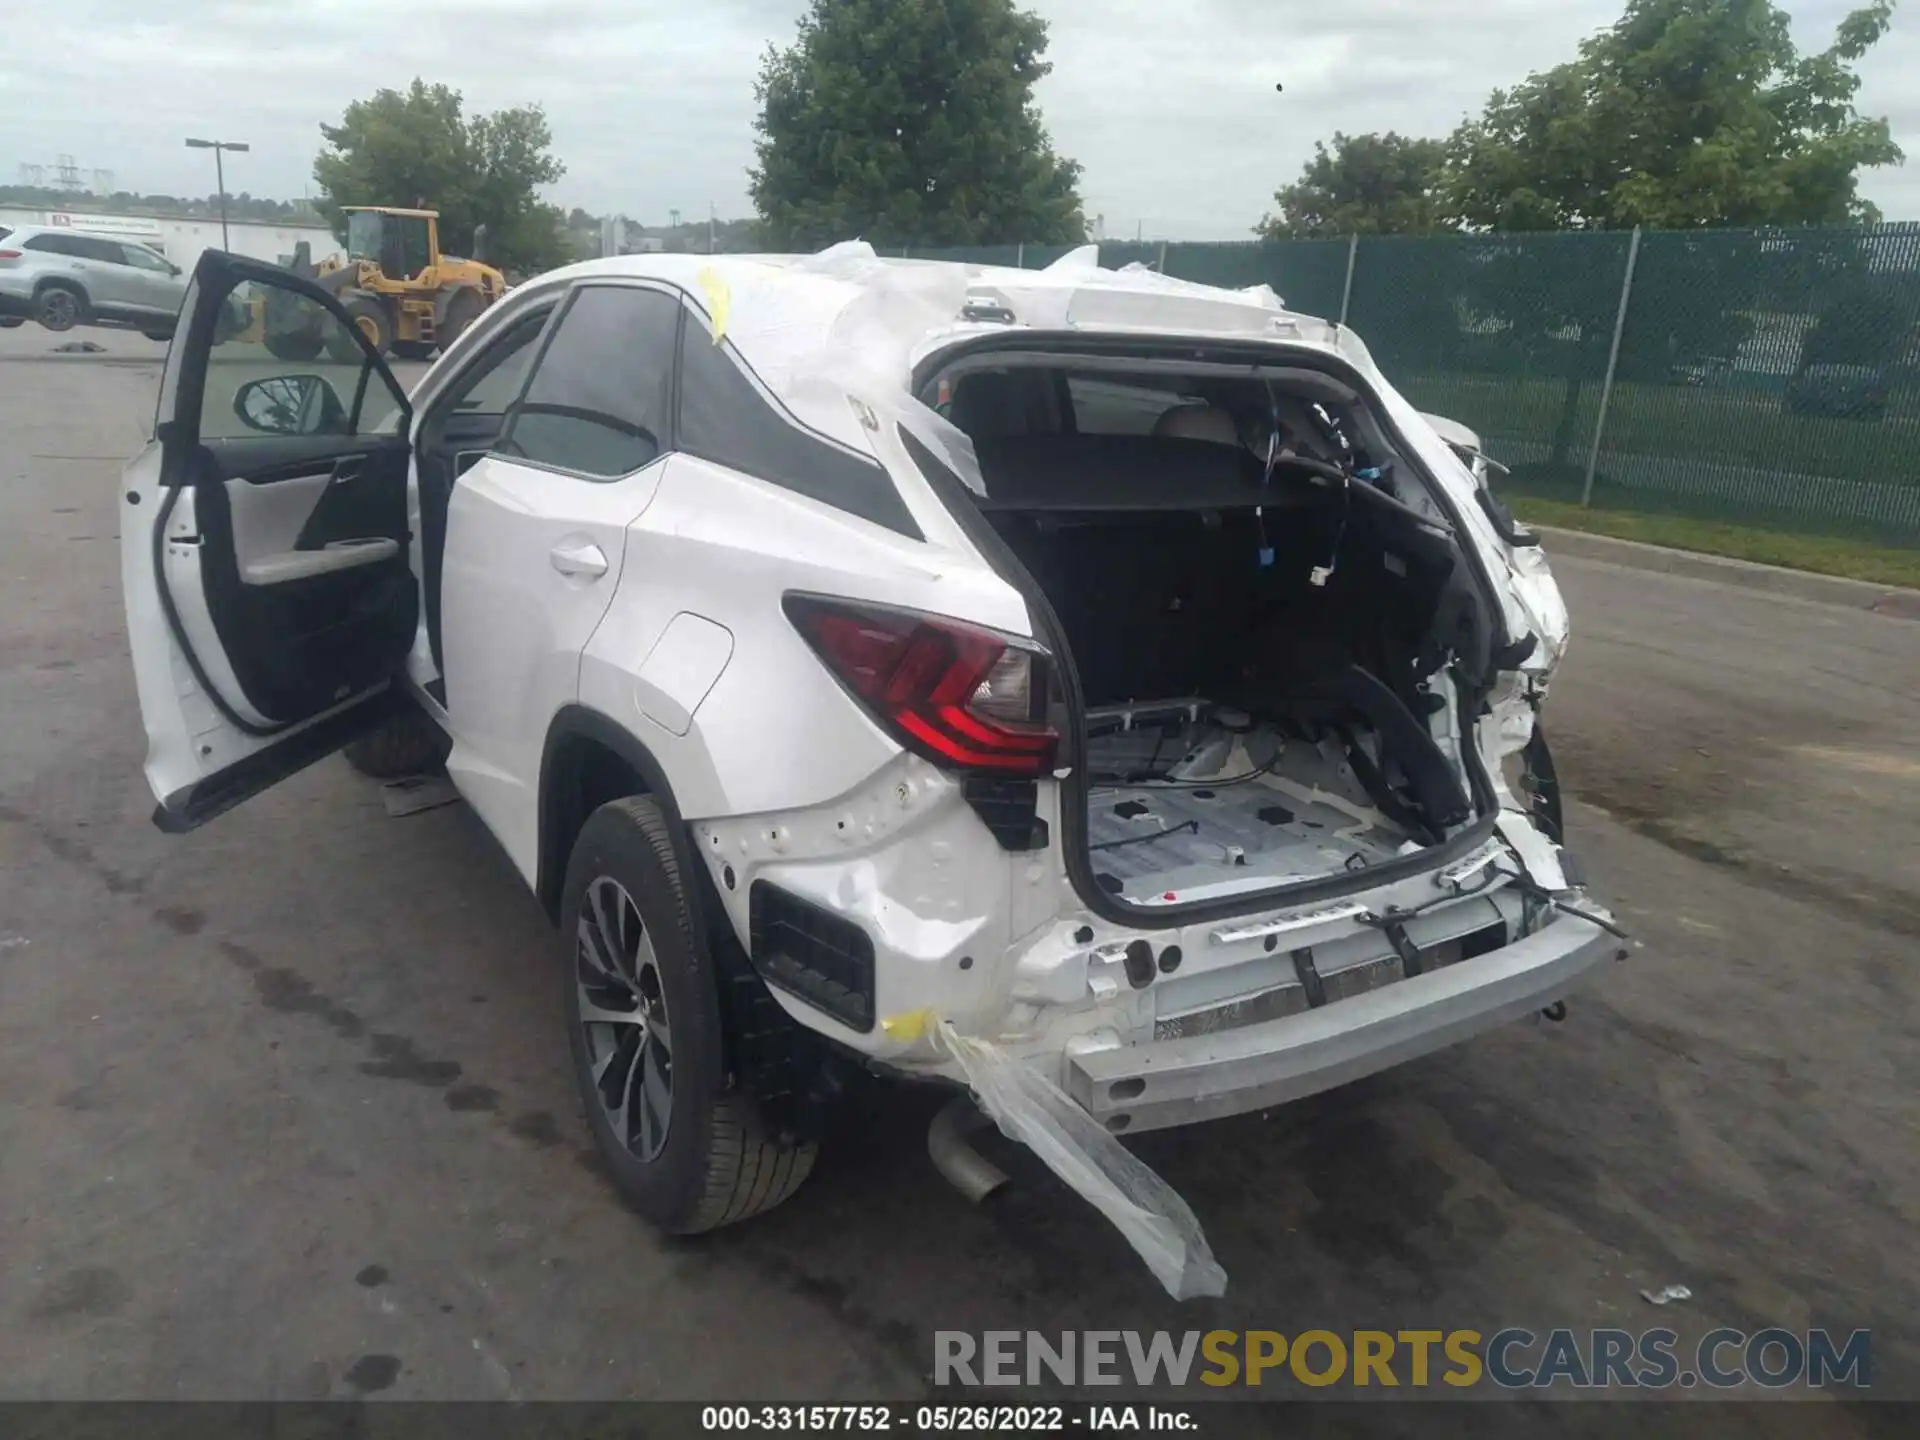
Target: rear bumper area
(1209, 1076)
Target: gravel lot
(287, 1113)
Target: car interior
(1263, 605)
(299, 503)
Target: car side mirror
(290, 405)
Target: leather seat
(1197, 422)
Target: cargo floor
(1155, 843)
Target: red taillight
(960, 696)
(9, 254)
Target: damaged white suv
(873, 663)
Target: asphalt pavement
(285, 1110)
(31, 341)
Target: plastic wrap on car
(1030, 1108)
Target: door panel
(302, 637)
(466, 421)
(518, 608)
(268, 519)
(301, 506)
(111, 282)
(150, 280)
(536, 537)
(159, 294)
(264, 549)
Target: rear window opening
(1270, 620)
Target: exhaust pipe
(965, 1168)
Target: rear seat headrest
(1197, 422)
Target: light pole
(220, 175)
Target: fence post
(1163, 257)
(1613, 363)
(1346, 290)
(1020, 257)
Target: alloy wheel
(623, 1019)
(58, 309)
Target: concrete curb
(1774, 579)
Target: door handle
(347, 469)
(579, 557)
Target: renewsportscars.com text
(1512, 1358)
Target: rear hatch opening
(1274, 648)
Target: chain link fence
(1764, 377)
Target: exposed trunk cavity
(1270, 620)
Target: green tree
(417, 147)
(1684, 113)
(911, 122)
(1365, 185)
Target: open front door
(264, 541)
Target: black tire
(413, 349)
(407, 744)
(713, 1160)
(60, 307)
(294, 345)
(462, 310)
(370, 317)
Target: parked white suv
(851, 654)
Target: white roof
(821, 329)
(848, 315)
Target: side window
(599, 402)
(725, 418)
(988, 404)
(141, 258)
(105, 251)
(467, 419)
(496, 377)
(282, 365)
(51, 244)
(413, 245)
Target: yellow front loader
(401, 292)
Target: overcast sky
(1169, 104)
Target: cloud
(1169, 104)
